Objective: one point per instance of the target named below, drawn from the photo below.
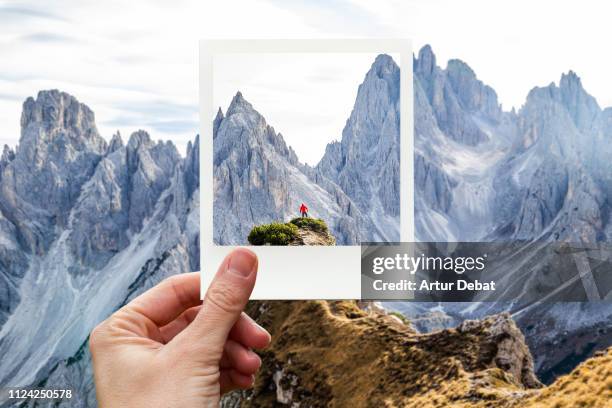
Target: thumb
(225, 299)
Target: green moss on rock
(298, 231)
(275, 233)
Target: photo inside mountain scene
(306, 149)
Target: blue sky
(135, 63)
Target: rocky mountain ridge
(368, 150)
(85, 225)
(541, 174)
(98, 222)
(479, 364)
(258, 179)
(484, 174)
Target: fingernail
(242, 263)
(267, 333)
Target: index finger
(166, 301)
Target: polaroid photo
(306, 152)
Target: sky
(306, 97)
(135, 63)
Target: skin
(166, 348)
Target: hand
(164, 349)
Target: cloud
(10, 97)
(158, 108)
(170, 118)
(11, 12)
(175, 126)
(133, 59)
(48, 37)
(335, 17)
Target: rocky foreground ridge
(353, 353)
(340, 354)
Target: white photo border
(301, 272)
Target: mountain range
(484, 174)
(86, 224)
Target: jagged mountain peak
(381, 81)
(8, 154)
(569, 85)
(538, 93)
(384, 64)
(367, 152)
(217, 121)
(244, 125)
(582, 106)
(570, 79)
(572, 90)
(383, 68)
(54, 109)
(471, 91)
(425, 63)
(140, 139)
(456, 67)
(571, 95)
(238, 105)
(462, 78)
(56, 127)
(457, 98)
(58, 151)
(116, 142)
(190, 145)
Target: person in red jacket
(304, 210)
